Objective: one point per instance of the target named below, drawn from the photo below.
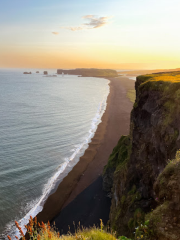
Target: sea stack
(27, 73)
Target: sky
(117, 34)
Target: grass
(167, 86)
(173, 77)
(160, 82)
(168, 178)
(86, 234)
(131, 94)
(119, 155)
(167, 198)
(168, 77)
(37, 231)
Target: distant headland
(89, 72)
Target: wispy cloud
(55, 33)
(96, 22)
(74, 28)
(93, 22)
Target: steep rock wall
(164, 220)
(154, 138)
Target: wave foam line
(53, 180)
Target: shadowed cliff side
(164, 221)
(137, 161)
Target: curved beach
(115, 122)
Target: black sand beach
(85, 210)
(82, 184)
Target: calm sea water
(45, 126)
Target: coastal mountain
(143, 170)
(89, 72)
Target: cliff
(136, 174)
(89, 72)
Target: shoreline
(90, 165)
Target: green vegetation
(89, 234)
(89, 72)
(167, 85)
(123, 198)
(138, 216)
(123, 238)
(168, 178)
(131, 94)
(119, 156)
(164, 77)
(158, 95)
(37, 231)
(118, 162)
(163, 220)
(133, 190)
(85, 234)
(126, 202)
(143, 231)
(164, 82)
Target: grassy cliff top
(167, 83)
(165, 88)
(156, 77)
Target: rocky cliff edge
(136, 174)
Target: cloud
(96, 22)
(74, 28)
(55, 33)
(93, 22)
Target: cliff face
(164, 220)
(154, 139)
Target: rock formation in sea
(27, 72)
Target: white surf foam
(53, 180)
(130, 77)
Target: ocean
(46, 124)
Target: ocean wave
(37, 205)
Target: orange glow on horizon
(98, 34)
(101, 57)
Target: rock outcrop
(132, 172)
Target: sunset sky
(122, 34)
